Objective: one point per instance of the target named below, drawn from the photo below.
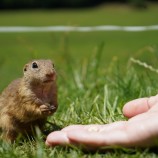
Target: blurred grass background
(22, 47)
(95, 73)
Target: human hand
(140, 130)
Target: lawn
(95, 74)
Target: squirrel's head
(40, 72)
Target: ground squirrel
(29, 100)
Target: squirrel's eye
(34, 65)
(53, 65)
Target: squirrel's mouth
(48, 80)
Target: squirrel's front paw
(47, 109)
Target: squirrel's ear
(25, 68)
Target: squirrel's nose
(50, 74)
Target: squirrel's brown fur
(27, 101)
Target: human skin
(140, 130)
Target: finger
(56, 138)
(99, 136)
(95, 127)
(61, 137)
(139, 106)
(72, 127)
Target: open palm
(141, 129)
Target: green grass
(90, 99)
(25, 46)
(95, 74)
